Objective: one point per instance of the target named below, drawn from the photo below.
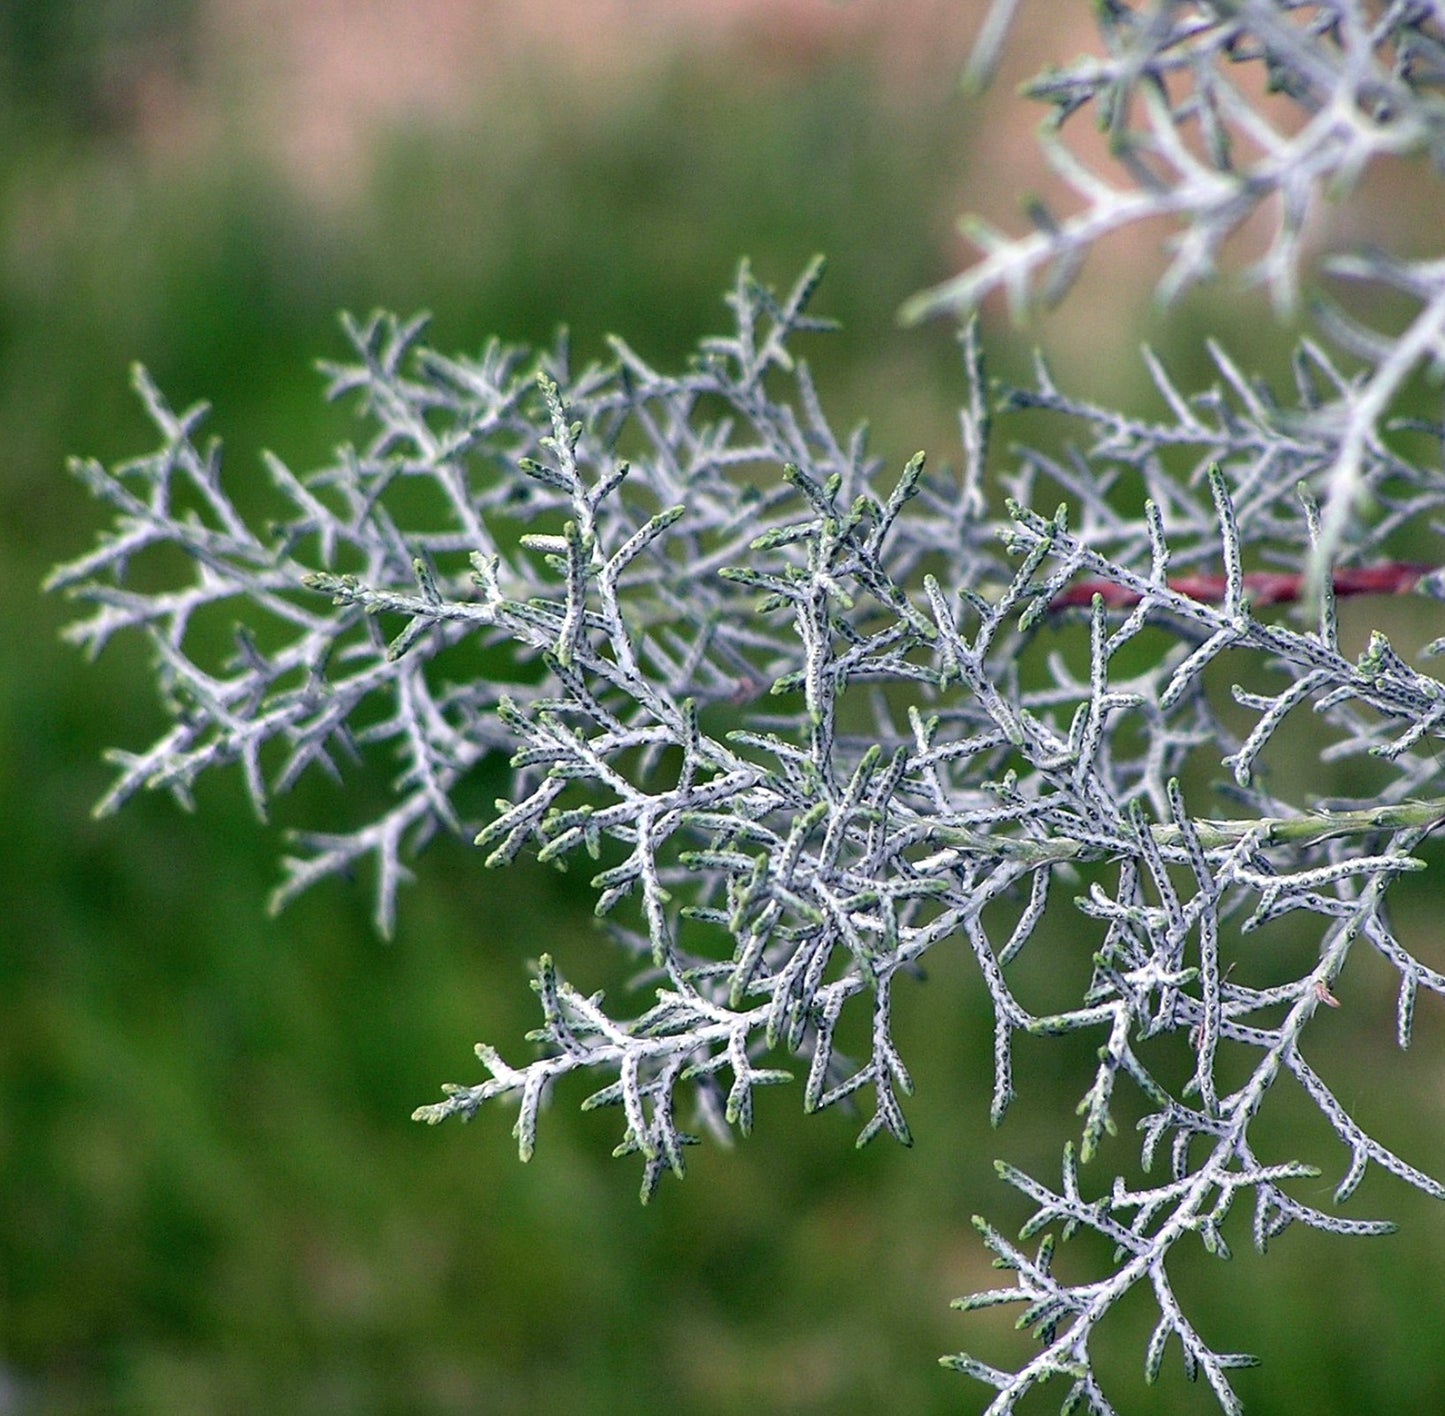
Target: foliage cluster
(813, 718)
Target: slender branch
(1263, 587)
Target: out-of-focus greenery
(211, 1198)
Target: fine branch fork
(808, 717)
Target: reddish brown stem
(1263, 587)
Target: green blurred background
(211, 1198)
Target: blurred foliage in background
(211, 1198)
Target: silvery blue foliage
(812, 717)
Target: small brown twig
(1264, 587)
